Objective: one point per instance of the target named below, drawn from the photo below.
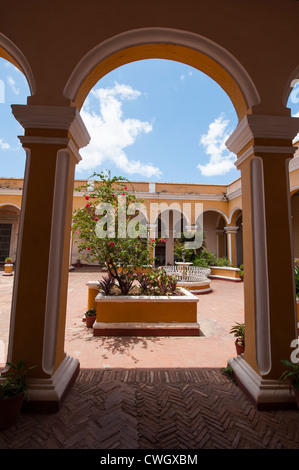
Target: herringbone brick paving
(155, 409)
(151, 393)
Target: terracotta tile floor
(151, 393)
(217, 312)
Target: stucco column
(219, 235)
(263, 145)
(231, 233)
(151, 234)
(52, 138)
(169, 248)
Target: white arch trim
(159, 36)
(217, 211)
(174, 209)
(290, 85)
(232, 213)
(7, 204)
(21, 60)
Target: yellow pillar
(151, 235)
(263, 145)
(52, 138)
(231, 244)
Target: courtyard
(151, 392)
(217, 312)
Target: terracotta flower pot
(89, 321)
(10, 409)
(240, 348)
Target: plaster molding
(255, 126)
(158, 35)
(52, 390)
(180, 196)
(55, 260)
(260, 263)
(294, 164)
(20, 59)
(264, 393)
(53, 117)
(32, 139)
(259, 149)
(231, 229)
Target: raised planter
(8, 270)
(226, 273)
(147, 315)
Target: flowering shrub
(102, 227)
(157, 282)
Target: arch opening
(149, 43)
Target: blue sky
(152, 120)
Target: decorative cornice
(32, 139)
(53, 117)
(181, 196)
(255, 126)
(231, 229)
(258, 149)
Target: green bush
(207, 258)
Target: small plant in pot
(292, 374)
(13, 391)
(90, 316)
(238, 330)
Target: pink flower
(125, 187)
(88, 248)
(86, 197)
(111, 244)
(96, 219)
(123, 194)
(87, 205)
(112, 195)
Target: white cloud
(4, 145)
(11, 82)
(111, 133)
(221, 161)
(187, 74)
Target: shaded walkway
(155, 409)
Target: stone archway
(53, 129)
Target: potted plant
(238, 330)
(241, 267)
(13, 391)
(292, 373)
(8, 266)
(90, 316)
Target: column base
(47, 395)
(265, 394)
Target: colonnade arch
(57, 132)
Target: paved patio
(217, 312)
(152, 393)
